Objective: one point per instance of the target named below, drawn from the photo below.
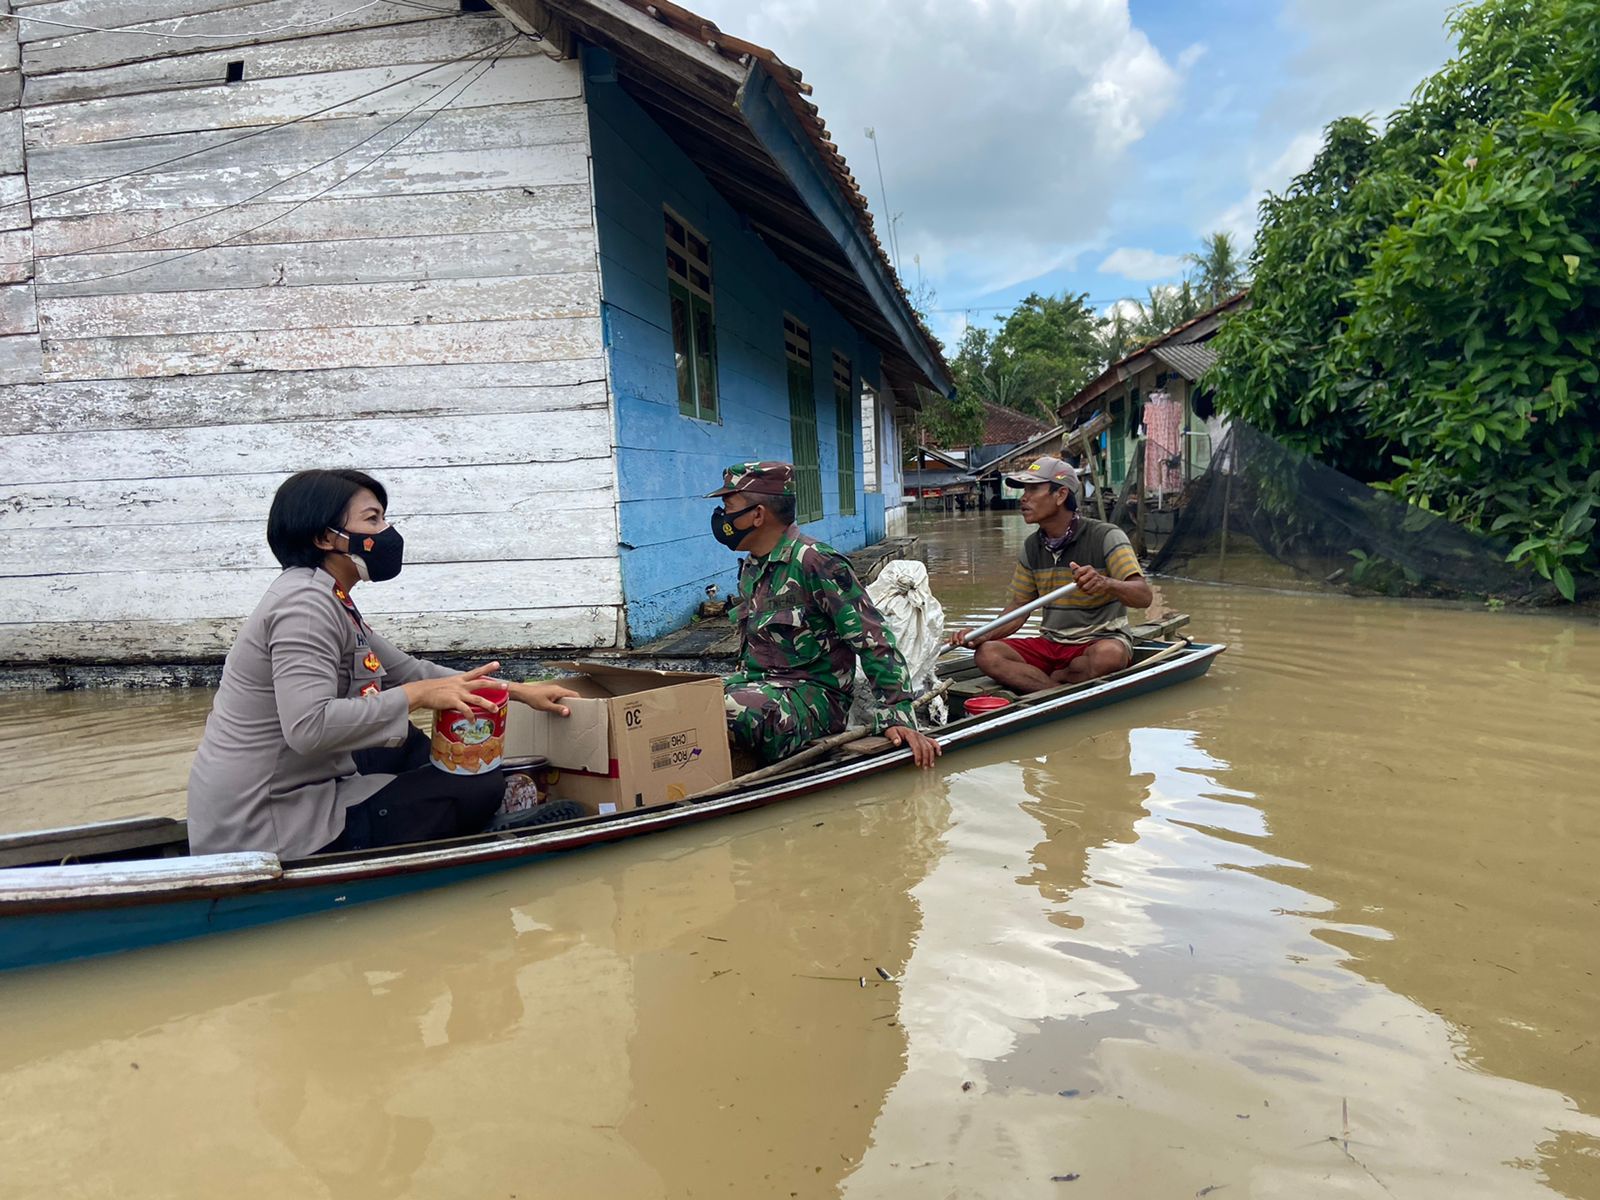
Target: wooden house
(939, 479)
(1167, 368)
(1006, 433)
(543, 268)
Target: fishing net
(1263, 513)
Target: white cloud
(1191, 55)
(1356, 58)
(1239, 218)
(1128, 308)
(999, 121)
(1132, 263)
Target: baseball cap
(758, 479)
(1047, 470)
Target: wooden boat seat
(153, 835)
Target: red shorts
(1045, 655)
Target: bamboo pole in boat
(812, 752)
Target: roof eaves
(734, 59)
(1022, 451)
(839, 212)
(1142, 357)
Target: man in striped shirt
(1085, 633)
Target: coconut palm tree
(1221, 272)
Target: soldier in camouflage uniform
(804, 619)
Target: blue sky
(1083, 145)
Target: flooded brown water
(1326, 923)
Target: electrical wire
(205, 216)
(287, 26)
(481, 70)
(255, 133)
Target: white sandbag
(910, 609)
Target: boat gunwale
(476, 850)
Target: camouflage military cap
(757, 479)
(1046, 470)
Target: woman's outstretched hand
(453, 693)
(545, 697)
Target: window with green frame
(846, 409)
(802, 421)
(694, 331)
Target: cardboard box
(634, 739)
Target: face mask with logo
(724, 529)
(378, 556)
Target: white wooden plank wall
(19, 318)
(346, 257)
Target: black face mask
(724, 529)
(378, 556)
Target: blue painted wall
(666, 462)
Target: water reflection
(1194, 1027)
(647, 1023)
(1167, 943)
(74, 757)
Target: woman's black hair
(306, 506)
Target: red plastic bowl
(984, 704)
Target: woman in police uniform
(308, 746)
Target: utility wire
(287, 26)
(255, 133)
(204, 216)
(981, 308)
(477, 73)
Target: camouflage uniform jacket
(804, 618)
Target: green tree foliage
(958, 421)
(1424, 306)
(1219, 269)
(1049, 349)
(1044, 351)
(1135, 323)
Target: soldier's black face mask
(378, 556)
(724, 529)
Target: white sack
(901, 593)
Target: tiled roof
(1007, 427)
(1003, 426)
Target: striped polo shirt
(1077, 618)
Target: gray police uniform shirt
(304, 686)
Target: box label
(671, 751)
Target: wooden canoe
(119, 885)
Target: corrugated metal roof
(1191, 361)
(936, 479)
(689, 76)
(1019, 453)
